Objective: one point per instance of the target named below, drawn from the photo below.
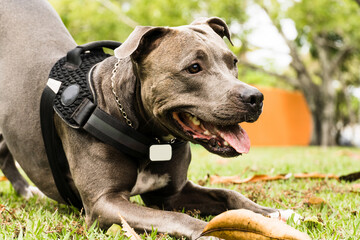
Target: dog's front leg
(105, 177)
(210, 201)
(108, 208)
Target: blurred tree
(324, 55)
(90, 20)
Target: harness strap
(111, 131)
(53, 145)
(73, 58)
(54, 149)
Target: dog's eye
(194, 68)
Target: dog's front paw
(284, 215)
(30, 192)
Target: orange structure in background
(286, 120)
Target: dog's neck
(128, 90)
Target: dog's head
(189, 84)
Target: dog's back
(32, 39)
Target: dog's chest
(146, 182)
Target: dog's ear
(217, 24)
(141, 42)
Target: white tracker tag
(160, 152)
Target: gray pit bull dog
(178, 82)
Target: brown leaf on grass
(244, 224)
(316, 175)
(3, 178)
(216, 179)
(2, 208)
(313, 200)
(7, 214)
(128, 231)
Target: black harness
(70, 93)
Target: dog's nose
(252, 97)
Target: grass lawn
(335, 217)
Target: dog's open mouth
(228, 140)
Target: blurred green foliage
(337, 18)
(337, 22)
(104, 19)
(91, 20)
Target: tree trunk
(317, 129)
(328, 132)
(321, 98)
(324, 124)
(327, 92)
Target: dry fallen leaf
(128, 231)
(315, 201)
(216, 179)
(316, 175)
(244, 225)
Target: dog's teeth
(195, 121)
(226, 143)
(207, 133)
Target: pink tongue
(237, 138)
